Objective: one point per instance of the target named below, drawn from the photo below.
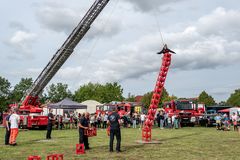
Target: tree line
(103, 93)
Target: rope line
(99, 36)
(158, 26)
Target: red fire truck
(30, 111)
(187, 110)
(122, 108)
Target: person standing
(134, 120)
(105, 120)
(84, 125)
(234, 121)
(50, 124)
(114, 122)
(92, 119)
(161, 117)
(14, 121)
(169, 122)
(158, 119)
(71, 120)
(142, 118)
(218, 119)
(1, 117)
(8, 129)
(99, 119)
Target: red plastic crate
(55, 157)
(34, 158)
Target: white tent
(91, 105)
(235, 110)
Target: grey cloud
(57, 18)
(29, 72)
(221, 23)
(18, 26)
(103, 28)
(195, 50)
(63, 19)
(227, 90)
(149, 5)
(194, 47)
(21, 42)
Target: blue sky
(122, 42)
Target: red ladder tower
(157, 93)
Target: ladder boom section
(66, 49)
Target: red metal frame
(31, 105)
(157, 93)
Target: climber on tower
(165, 50)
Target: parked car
(208, 120)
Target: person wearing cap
(114, 122)
(14, 121)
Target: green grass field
(184, 143)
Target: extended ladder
(64, 52)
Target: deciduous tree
(20, 89)
(4, 93)
(205, 98)
(148, 96)
(57, 92)
(102, 93)
(130, 98)
(234, 99)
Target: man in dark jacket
(50, 124)
(158, 119)
(84, 125)
(8, 128)
(114, 122)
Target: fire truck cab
(186, 110)
(122, 108)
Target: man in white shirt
(142, 117)
(14, 121)
(234, 118)
(105, 120)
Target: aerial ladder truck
(30, 111)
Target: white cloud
(221, 23)
(69, 73)
(195, 50)
(21, 42)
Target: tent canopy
(224, 110)
(67, 104)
